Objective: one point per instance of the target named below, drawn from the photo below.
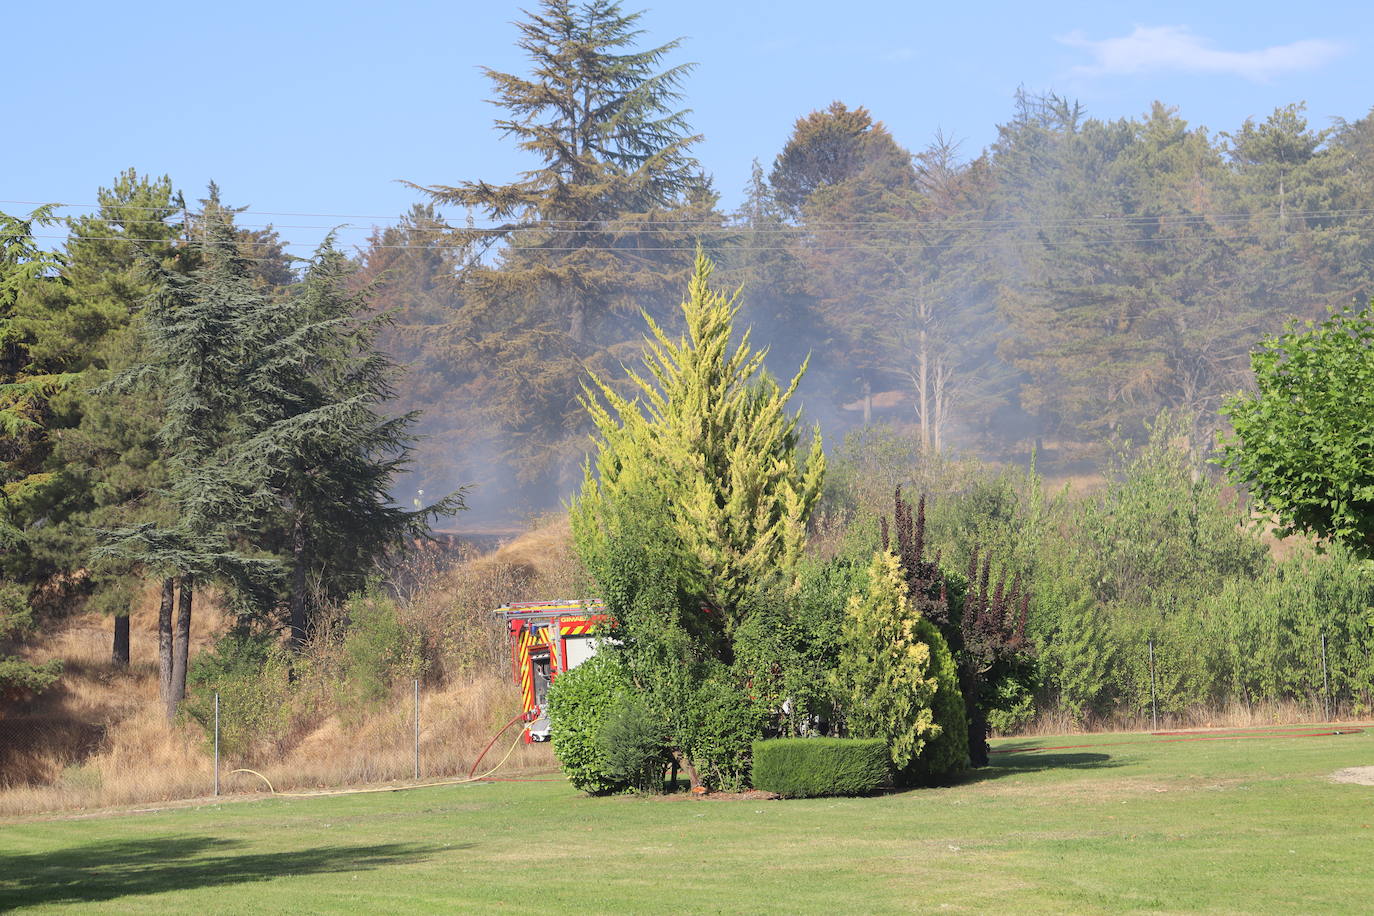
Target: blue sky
(318, 108)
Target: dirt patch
(751, 795)
(1363, 776)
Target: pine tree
(1128, 292)
(24, 388)
(832, 147)
(601, 229)
(202, 330)
(410, 270)
(99, 449)
(851, 187)
(23, 393)
(777, 302)
(602, 121)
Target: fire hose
(440, 782)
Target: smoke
(1073, 280)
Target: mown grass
(1129, 823)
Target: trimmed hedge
(811, 767)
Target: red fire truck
(547, 638)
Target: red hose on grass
(1166, 737)
(506, 778)
(476, 762)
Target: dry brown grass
(1231, 715)
(453, 609)
(98, 738)
(140, 758)
(457, 723)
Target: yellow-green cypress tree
(706, 443)
(885, 680)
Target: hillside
(98, 738)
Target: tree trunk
(923, 388)
(119, 651)
(943, 373)
(577, 324)
(164, 647)
(183, 642)
(977, 722)
(691, 770)
(978, 738)
(868, 401)
(299, 603)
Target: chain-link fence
(51, 762)
(1314, 699)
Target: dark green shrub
(811, 767)
(946, 753)
(580, 704)
(725, 723)
(17, 676)
(250, 671)
(631, 743)
(377, 651)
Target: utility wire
(904, 225)
(630, 225)
(688, 244)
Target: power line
(688, 244)
(608, 227)
(633, 226)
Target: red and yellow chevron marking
(551, 641)
(577, 626)
(548, 632)
(525, 641)
(528, 639)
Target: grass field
(1131, 822)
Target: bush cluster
(814, 767)
(361, 654)
(603, 734)
(249, 669)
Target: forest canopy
(188, 410)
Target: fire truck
(546, 639)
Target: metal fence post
(216, 742)
(1154, 708)
(417, 728)
(1326, 682)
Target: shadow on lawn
(113, 869)
(1010, 764)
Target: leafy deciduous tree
(1304, 440)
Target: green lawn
(1131, 822)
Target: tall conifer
(601, 228)
(322, 455)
